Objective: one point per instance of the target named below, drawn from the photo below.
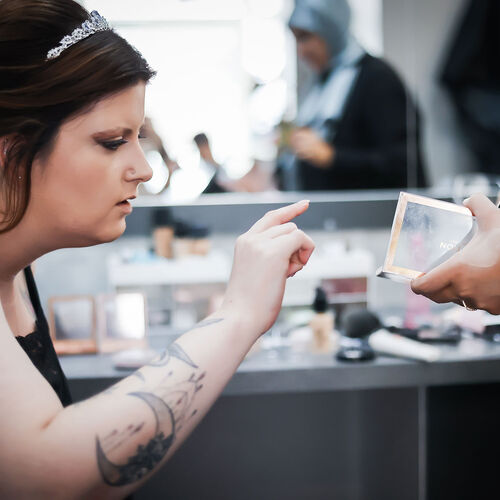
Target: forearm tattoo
(171, 405)
(174, 351)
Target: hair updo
(37, 96)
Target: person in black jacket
(357, 128)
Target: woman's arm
(105, 447)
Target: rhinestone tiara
(94, 24)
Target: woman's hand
(308, 146)
(265, 256)
(470, 278)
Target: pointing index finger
(280, 216)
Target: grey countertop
(275, 371)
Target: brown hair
(37, 96)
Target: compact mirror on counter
(73, 322)
(84, 324)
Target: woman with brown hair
(71, 108)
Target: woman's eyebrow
(112, 132)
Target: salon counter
(306, 427)
(284, 371)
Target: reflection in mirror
(445, 53)
(267, 95)
(356, 127)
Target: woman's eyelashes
(115, 144)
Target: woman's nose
(139, 169)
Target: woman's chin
(117, 233)
(92, 234)
(111, 234)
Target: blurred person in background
(357, 128)
(257, 179)
(153, 142)
(219, 183)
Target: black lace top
(38, 346)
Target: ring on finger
(468, 307)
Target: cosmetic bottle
(322, 323)
(201, 241)
(163, 233)
(191, 239)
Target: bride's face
(80, 187)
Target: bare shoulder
(18, 374)
(15, 364)
(27, 403)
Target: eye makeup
(113, 139)
(113, 145)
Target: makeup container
(425, 233)
(163, 233)
(201, 241)
(322, 323)
(191, 239)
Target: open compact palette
(425, 233)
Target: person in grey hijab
(329, 20)
(356, 128)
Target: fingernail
(304, 202)
(466, 200)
